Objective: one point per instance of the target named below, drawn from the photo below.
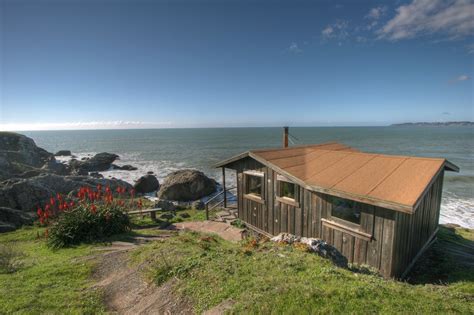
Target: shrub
(93, 215)
(87, 223)
(9, 258)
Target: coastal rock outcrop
(185, 185)
(98, 163)
(56, 167)
(19, 154)
(27, 194)
(11, 219)
(146, 184)
(63, 153)
(126, 167)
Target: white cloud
(337, 30)
(452, 18)
(463, 77)
(119, 124)
(294, 48)
(376, 13)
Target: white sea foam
(458, 210)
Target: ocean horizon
(168, 149)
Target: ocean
(165, 150)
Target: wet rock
(124, 167)
(63, 153)
(185, 185)
(98, 163)
(96, 175)
(146, 184)
(315, 245)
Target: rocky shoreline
(30, 175)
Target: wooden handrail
(223, 192)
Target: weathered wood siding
(386, 240)
(413, 231)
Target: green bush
(87, 223)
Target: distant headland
(436, 124)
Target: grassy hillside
(46, 281)
(270, 278)
(254, 277)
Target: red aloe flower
(39, 212)
(93, 209)
(71, 204)
(52, 201)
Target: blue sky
(137, 64)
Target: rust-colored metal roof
(394, 182)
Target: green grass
(48, 281)
(272, 278)
(146, 221)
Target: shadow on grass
(450, 259)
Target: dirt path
(125, 290)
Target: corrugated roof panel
(409, 181)
(340, 170)
(369, 175)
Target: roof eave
(450, 166)
(232, 159)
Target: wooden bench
(152, 212)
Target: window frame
(290, 201)
(251, 196)
(347, 223)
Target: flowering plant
(92, 214)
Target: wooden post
(207, 211)
(285, 137)
(223, 184)
(153, 215)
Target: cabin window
(254, 184)
(287, 190)
(346, 210)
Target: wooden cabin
(377, 210)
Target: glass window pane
(346, 210)
(254, 185)
(287, 190)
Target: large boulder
(146, 184)
(98, 163)
(27, 194)
(185, 185)
(63, 153)
(11, 219)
